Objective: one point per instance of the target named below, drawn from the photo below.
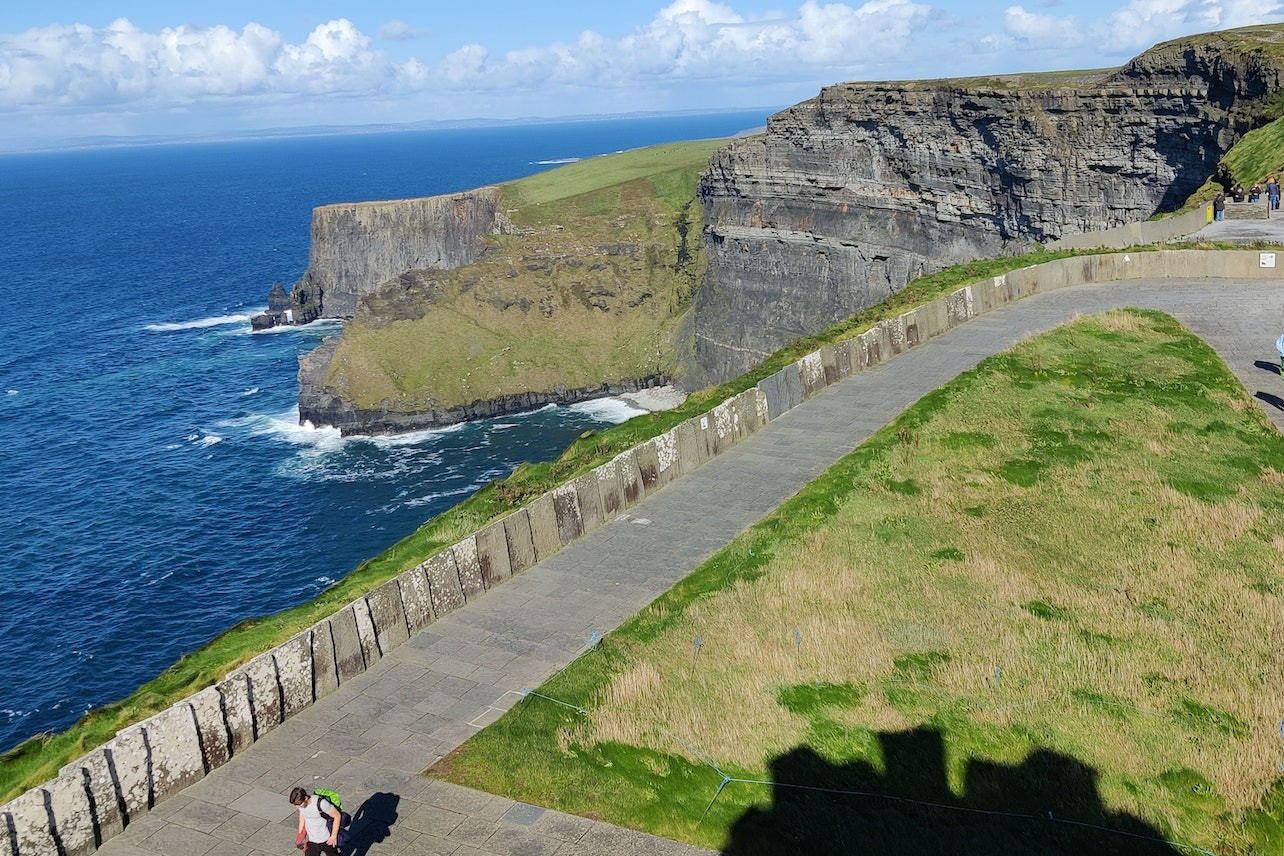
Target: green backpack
(345, 819)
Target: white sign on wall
(1266, 260)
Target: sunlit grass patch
(1099, 614)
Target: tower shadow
(1048, 804)
(371, 822)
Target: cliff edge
(589, 280)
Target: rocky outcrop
(852, 194)
(280, 311)
(358, 246)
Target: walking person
(1279, 346)
(1219, 206)
(319, 822)
(1273, 192)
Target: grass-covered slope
(1050, 594)
(585, 287)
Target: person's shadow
(371, 823)
(1270, 398)
(1267, 366)
(1048, 804)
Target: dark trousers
(313, 848)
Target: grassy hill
(585, 286)
(1075, 610)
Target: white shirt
(315, 822)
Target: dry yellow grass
(1149, 595)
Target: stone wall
(1136, 234)
(96, 796)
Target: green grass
(1096, 624)
(595, 174)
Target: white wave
(411, 438)
(11, 392)
(254, 390)
(608, 409)
(285, 426)
(203, 438)
(321, 325)
(503, 426)
(200, 323)
(556, 161)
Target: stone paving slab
(371, 737)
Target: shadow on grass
(1049, 804)
(372, 823)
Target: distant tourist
(1219, 206)
(1279, 346)
(1254, 193)
(1273, 192)
(1237, 192)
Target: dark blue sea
(155, 486)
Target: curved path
(372, 737)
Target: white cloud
(76, 65)
(1041, 31)
(688, 46)
(1132, 28)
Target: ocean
(156, 486)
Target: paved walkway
(372, 737)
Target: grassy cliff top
(1265, 41)
(667, 164)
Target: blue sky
(132, 67)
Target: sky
(74, 70)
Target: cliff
(852, 194)
(459, 311)
(591, 281)
(358, 246)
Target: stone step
(1247, 210)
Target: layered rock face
(358, 246)
(852, 194)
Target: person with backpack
(320, 822)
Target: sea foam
(608, 409)
(200, 323)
